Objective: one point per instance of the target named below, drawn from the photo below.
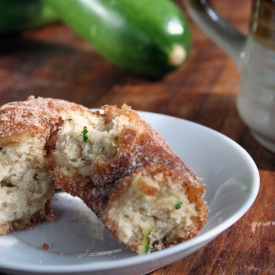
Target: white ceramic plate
(80, 244)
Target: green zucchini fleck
(146, 241)
(178, 205)
(1, 148)
(147, 247)
(36, 178)
(84, 134)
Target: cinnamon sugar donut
(114, 161)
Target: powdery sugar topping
(34, 115)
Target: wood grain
(55, 62)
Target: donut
(113, 160)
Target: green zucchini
(147, 37)
(17, 15)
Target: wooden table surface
(55, 62)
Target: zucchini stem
(177, 56)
